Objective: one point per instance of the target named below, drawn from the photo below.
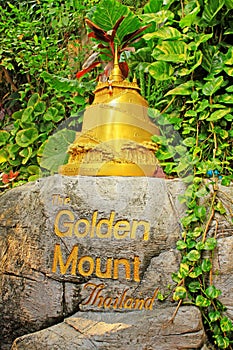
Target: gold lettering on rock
(128, 269)
(65, 225)
(71, 260)
(67, 232)
(77, 231)
(97, 299)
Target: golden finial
(116, 74)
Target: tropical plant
(116, 31)
(188, 68)
(41, 42)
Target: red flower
(6, 178)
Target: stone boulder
(82, 259)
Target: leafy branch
(111, 36)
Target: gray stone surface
(123, 331)
(35, 295)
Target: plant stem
(210, 217)
(168, 105)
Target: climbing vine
(194, 280)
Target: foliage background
(40, 41)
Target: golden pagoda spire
(116, 74)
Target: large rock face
(94, 252)
(132, 330)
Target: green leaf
(194, 286)
(190, 113)
(226, 98)
(226, 181)
(14, 162)
(211, 10)
(222, 342)
(189, 141)
(26, 154)
(218, 114)
(33, 177)
(17, 115)
(176, 278)
(197, 232)
(3, 156)
(184, 270)
(4, 137)
(60, 84)
(160, 296)
(183, 89)
(203, 105)
(39, 108)
(197, 271)
(180, 245)
(212, 86)
(163, 155)
(201, 192)
(61, 109)
(153, 6)
(33, 100)
(164, 33)
(212, 292)
(27, 116)
(220, 208)
(226, 324)
(200, 246)
(172, 51)
(33, 169)
(229, 4)
(214, 315)
(229, 71)
(26, 137)
(206, 265)
(107, 13)
(213, 60)
(210, 243)
(193, 255)
(182, 166)
(187, 220)
(200, 211)
(202, 301)
(202, 38)
(162, 17)
(161, 71)
(12, 150)
(51, 114)
(190, 18)
(229, 88)
(229, 57)
(180, 293)
(55, 150)
(79, 100)
(191, 243)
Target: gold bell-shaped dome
(116, 133)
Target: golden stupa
(116, 133)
